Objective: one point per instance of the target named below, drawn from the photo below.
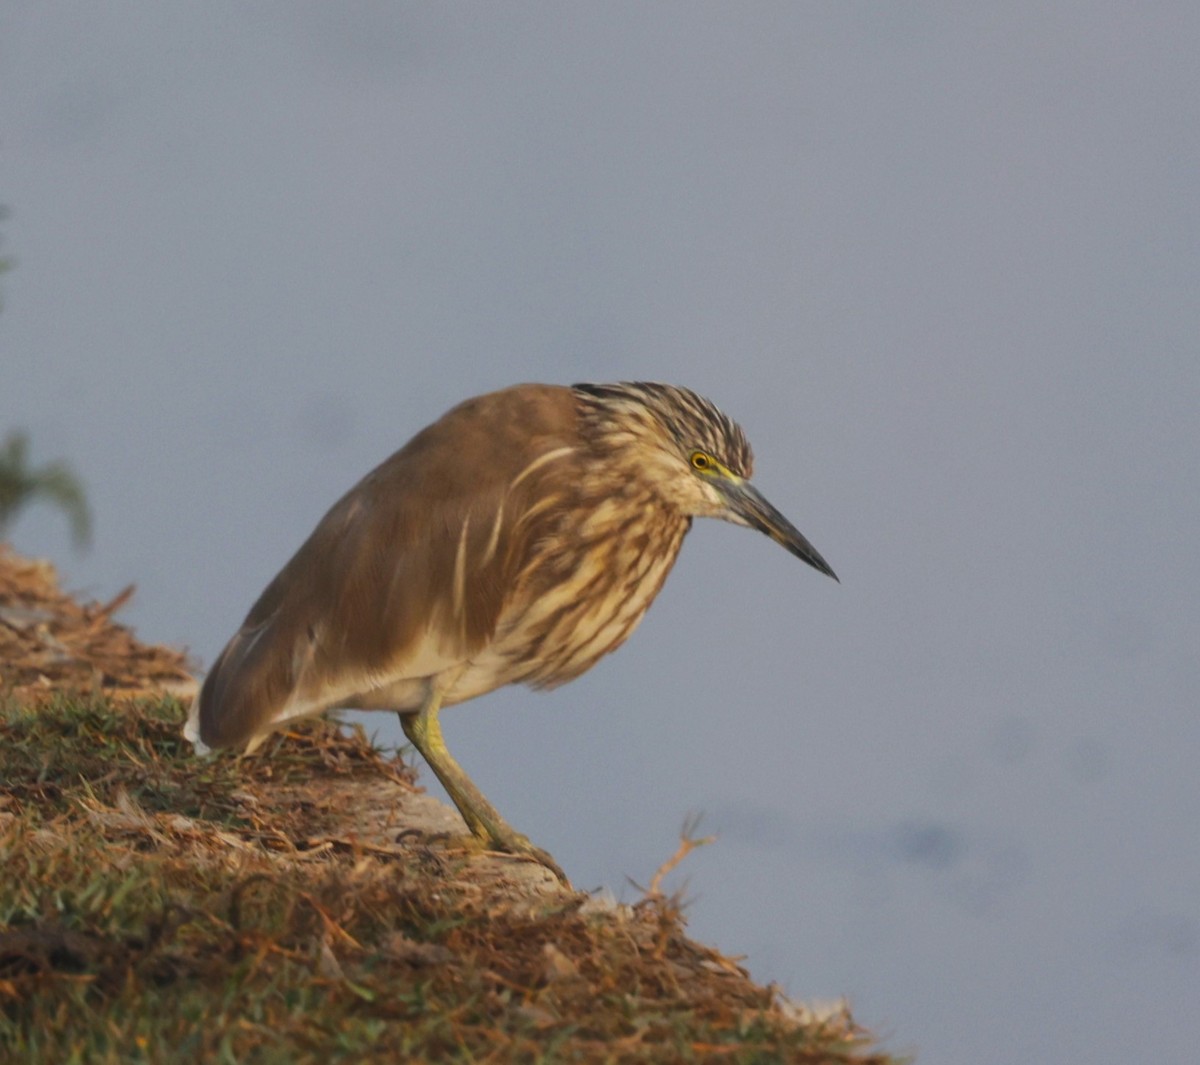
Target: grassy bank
(155, 907)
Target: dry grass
(158, 908)
(50, 642)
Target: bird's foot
(510, 842)
(518, 845)
(498, 836)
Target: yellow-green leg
(424, 732)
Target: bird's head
(697, 457)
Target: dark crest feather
(693, 421)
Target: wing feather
(406, 576)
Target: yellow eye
(701, 461)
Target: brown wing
(406, 574)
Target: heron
(520, 538)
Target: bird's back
(408, 574)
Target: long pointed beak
(749, 505)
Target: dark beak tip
(821, 566)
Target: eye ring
(701, 461)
